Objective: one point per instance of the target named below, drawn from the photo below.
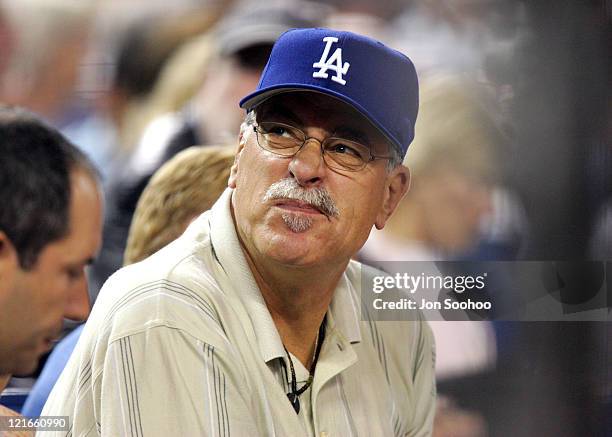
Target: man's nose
(308, 165)
(77, 305)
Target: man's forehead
(318, 110)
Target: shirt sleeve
(164, 382)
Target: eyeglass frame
(371, 158)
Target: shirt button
(340, 346)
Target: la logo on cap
(332, 63)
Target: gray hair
(249, 120)
(395, 159)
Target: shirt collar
(344, 309)
(229, 253)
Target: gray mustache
(317, 197)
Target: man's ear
(6, 246)
(8, 255)
(234, 170)
(398, 183)
(4, 380)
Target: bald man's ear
(234, 170)
(398, 183)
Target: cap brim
(252, 100)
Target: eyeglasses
(338, 153)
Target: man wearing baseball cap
(249, 323)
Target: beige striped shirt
(183, 344)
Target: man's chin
(297, 223)
(25, 367)
(294, 249)
(25, 363)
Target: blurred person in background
(49, 43)
(183, 188)
(241, 43)
(458, 35)
(50, 229)
(375, 19)
(109, 130)
(454, 163)
(178, 192)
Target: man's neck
(298, 300)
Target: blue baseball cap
(379, 82)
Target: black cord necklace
(295, 393)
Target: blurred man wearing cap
(248, 324)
